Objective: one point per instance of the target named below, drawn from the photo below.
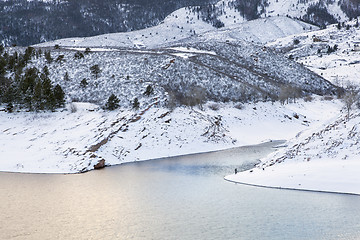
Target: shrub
(296, 41)
(328, 98)
(214, 107)
(308, 98)
(73, 108)
(239, 106)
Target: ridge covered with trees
(24, 86)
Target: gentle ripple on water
(175, 198)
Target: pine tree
(9, 98)
(29, 79)
(78, 55)
(87, 50)
(37, 97)
(136, 103)
(149, 90)
(46, 71)
(83, 83)
(48, 57)
(112, 102)
(59, 96)
(95, 70)
(29, 53)
(48, 94)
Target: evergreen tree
(48, 57)
(112, 102)
(9, 98)
(95, 70)
(37, 97)
(78, 55)
(29, 53)
(60, 59)
(149, 90)
(48, 94)
(27, 96)
(87, 50)
(59, 96)
(29, 79)
(136, 103)
(45, 71)
(3, 66)
(83, 83)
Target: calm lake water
(174, 198)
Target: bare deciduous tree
(350, 97)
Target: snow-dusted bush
(308, 98)
(239, 106)
(214, 106)
(72, 108)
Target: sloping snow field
(69, 142)
(327, 158)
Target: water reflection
(174, 198)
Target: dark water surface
(174, 198)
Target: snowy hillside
(323, 160)
(306, 9)
(74, 141)
(89, 17)
(235, 71)
(178, 26)
(312, 50)
(326, 158)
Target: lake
(174, 198)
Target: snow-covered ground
(327, 158)
(69, 142)
(178, 27)
(339, 67)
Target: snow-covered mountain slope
(178, 26)
(327, 158)
(323, 160)
(235, 71)
(315, 50)
(272, 28)
(90, 17)
(307, 9)
(74, 141)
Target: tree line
(24, 87)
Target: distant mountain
(24, 22)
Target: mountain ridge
(28, 22)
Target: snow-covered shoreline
(66, 142)
(323, 161)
